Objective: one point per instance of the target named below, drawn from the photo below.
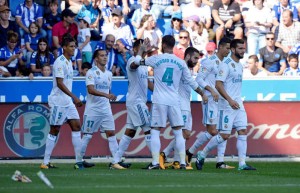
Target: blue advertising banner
(37, 91)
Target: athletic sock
(221, 151)
(76, 140)
(50, 144)
(123, 146)
(169, 148)
(180, 144)
(202, 138)
(155, 146)
(213, 143)
(84, 143)
(241, 145)
(113, 145)
(148, 141)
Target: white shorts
(138, 116)
(59, 115)
(161, 113)
(187, 120)
(232, 119)
(91, 124)
(210, 112)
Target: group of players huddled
(219, 82)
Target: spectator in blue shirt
(91, 10)
(108, 46)
(31, 39)
(140, 12)
(278, 9)
(51, 19)
(27, 13)
(11, 56)
(6, 25)
(124, 53)
(41, 57)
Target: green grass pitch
(271, 177)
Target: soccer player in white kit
(191, 57)
(168, 71)
(62, 107)
(97, 113)
(137, 111)
(208, 72)
(232, 113)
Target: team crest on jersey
(26, 128)
(90, 77)
(226, 126)
(203, 69)
(210, 120)
(217, 62)
(98, 73)
(59, 69)
(232, 64)
(221, 73)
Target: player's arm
(62, 87)
(150, 85)
(220, 88)
(91, 90)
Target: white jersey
(102, 83)
(138, 84)
(208, 72)
(231, 74)
(62, 68)
(168, 71)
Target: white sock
(113, 145)
(241, 145)
(180, 145)
(148, 141)
(213, 143)
(176, 156)
(123, 146)
(169, 148)
(202, 138)
(221, 151)
(84, 143)
(155, 146)
(76, 140)
(50, 144)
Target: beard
(239, 56)
(191, 64)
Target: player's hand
(77, 102)
(215, 96)
(112, 97)
(234, 104)
(204, 98)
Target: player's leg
(210, 118)
(226, 121)
(158, 121)
(176, 122)
(220, 157)
(57, 118)
(240, 125)
(74, 123)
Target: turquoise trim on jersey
(140, 110)
(227, 61)
(84, 118)
(205, 113)
(52, 120)
(221, 120)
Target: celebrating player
(61, 105)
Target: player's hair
(137, 43)
(169, 41)
(292, 56)
(96, 53)
(67, 38)
(224, 41)
(235, 42)
(12, 35)
(86, 65)
(190, 51)
(253, 57)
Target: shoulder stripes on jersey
(227, 61)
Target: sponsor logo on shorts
(26, 128)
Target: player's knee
(211, 129)
(225, 136)
(54, 131)
(109, 133)
(147, 132)
(130, 132)
(186, 134)
(242, 132)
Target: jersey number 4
(168, 76)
